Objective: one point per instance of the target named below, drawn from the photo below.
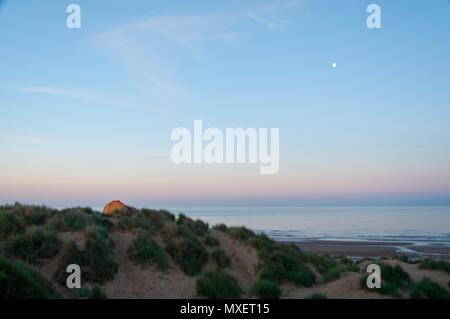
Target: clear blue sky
(87, 114)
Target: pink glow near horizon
(195, 184)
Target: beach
(368, 249)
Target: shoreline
(374, 249)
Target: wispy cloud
(271, 15)
(146, 48)
(27, 139)
(150, 48)
(86, 97)
(271, 23)
(192, 31)
(47, 90)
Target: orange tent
(115, 207)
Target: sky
(87, 114)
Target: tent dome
(116, 207)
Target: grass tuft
(125, 223)
(99, 255)
(431, 264)
(428, 289)
(221, 227)
(218, 284)
(94, 292)
(262, 243)
(11, 224)
(19, 281)
(35, 243)
(167, 215)
(221, 258)
(169, 231)
(282, 266)
(212, 241)
(266, 289)
(188, 253)
(332, 274)
(240, 233)
(350, 265)
(322, 263)
(69, 220)
(144, 251)
(96, 219)
(198, 227)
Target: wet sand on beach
(375, 249)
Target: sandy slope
(133, 281)
(136, 282)
(244, 260)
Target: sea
(415, 225)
